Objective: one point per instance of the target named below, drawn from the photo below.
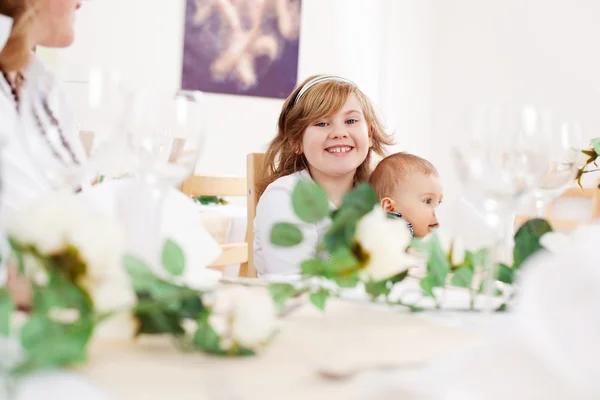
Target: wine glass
(500, 156)
(51, 132)
(564, 153)
(165, 136)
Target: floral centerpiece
(84, 287)
(363, 247)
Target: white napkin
(5, 28)
(181, 222)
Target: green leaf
(347, 282)
(53, 344)
(477, 259)
(341, 232)
(285, 234)
(527, 240)
(206, 338)
(173, 258)
(319, 298)
(383, 287)
(206, 200)
(310, 201)
(7, 307)
(438, 265)
(462, 277)
(281, 292)
(60, 292)
(313, 267)
(362, 198)
(140, 275)
(343, 262)
(505, 274)
(427, 284)
(596, 145)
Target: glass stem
(139, 208)
(540, 207)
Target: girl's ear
(388, 204)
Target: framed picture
(241, 47)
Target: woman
(46, 130)
(35, 22)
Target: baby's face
(416, 198)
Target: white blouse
(23, 146)
(25, 149)
(275, 205)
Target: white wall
(419, 60)
(383, 45)
(515, 52)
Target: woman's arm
(274, 206)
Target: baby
(409, 188)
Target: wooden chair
(201, 185)
(254, 174)
(593, 194)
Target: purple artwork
(242, 47)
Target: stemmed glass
(564, 153)
(500, 156)
(50, 128)
(164, 137)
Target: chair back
(204, 185)
(254, 175)
(561, 224)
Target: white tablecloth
(349, 335)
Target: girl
(327, 132)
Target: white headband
(317, 80)
(5, 28)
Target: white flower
(45, 223)
(61, 220)
(243, 317)
(454, 245)
(253, 318)
(386, 241)
(555, 241)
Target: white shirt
(275, 205)
(23, 147)
(25, 153)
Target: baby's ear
(388, 204)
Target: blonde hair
(17, 51)
(284, 155)
(392, 170)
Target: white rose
(386, 241)
(61, 219)
(252, 316)
(456, 245)
(555, 241)
(45, 223)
